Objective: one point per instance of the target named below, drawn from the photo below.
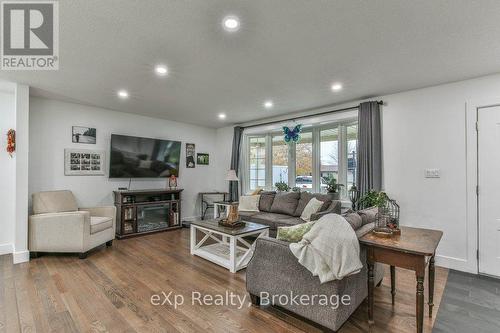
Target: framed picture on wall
(202, 159)
(190, 155)
(82, 134)
(83, 162)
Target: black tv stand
(140, 212)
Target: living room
(189, 143)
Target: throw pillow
(257, 191)
(295, 233)
(368, 215)
(285, 203)
(354, 219)
(266, 200)
(313, 206)
(249, 203)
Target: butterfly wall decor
(292, 134)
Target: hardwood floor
(111, 291)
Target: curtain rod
(307, 116)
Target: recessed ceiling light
(222, 116)
(122, 93)
(336, 86)
(161, 70)
(268, 104)
(231, 23)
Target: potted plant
(373, 198)
(282, 187)
(333, 188)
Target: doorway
(488, 191)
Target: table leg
(216, 211)
(193, 238)
(432, 275)
(371, 286)
(420, 301)
(232, 254)
(393, 283)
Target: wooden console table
(414, 249)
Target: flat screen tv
(134, 157)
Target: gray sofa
(274, 271)
(284, 209)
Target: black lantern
(354, 196)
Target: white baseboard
(458, 264)
(5, 249)
(21, 256)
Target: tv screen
(134, 157)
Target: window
(280, 159)
(304, 162)
(324, 151)
(257, 162)
(329, 159)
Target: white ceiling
(289, 51)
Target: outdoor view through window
(322, 152)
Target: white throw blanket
(330, 250)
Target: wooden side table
(414, 249)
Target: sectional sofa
(278, 209)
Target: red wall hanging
(11, 142)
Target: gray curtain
(235, 162)
(369, 175)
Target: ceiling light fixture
(268, 104)
(123, 94)
(222, 116)
(336, 87)
(161, 70)
(231, 23)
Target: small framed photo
(202, 159)
(81, 162)
(190, 151)
(82, 134)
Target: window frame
(316, 156)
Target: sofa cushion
(285, 203)
(245, 214)
(273, 220)
(54, 202)
(266, 200)
(100, 223)
(305, 197)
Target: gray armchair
(58, 225)
(274, 271)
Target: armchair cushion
(54, 202)
(100, 223)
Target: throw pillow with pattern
(295, 233)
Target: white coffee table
(227, 248)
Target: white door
(489, 189)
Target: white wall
(21, 253)
(426, 128)
(7, 174)
(50, 134)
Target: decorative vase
(232, 215)
(334, 195)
